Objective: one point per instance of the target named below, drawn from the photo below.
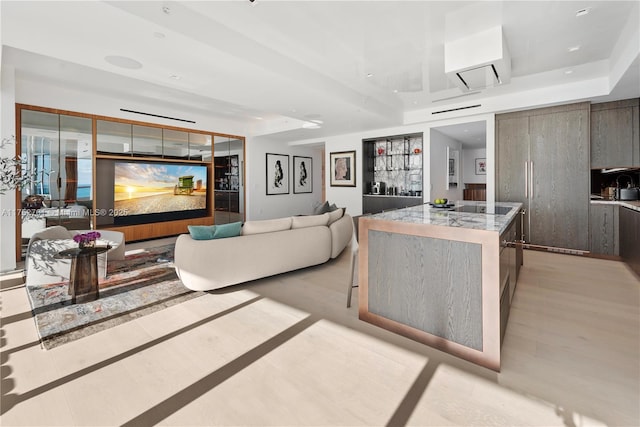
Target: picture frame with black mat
(343, 169)
(277, 174)
(302, 175)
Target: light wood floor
(286, 351)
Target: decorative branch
(14, 173)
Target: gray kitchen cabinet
(636, 134)
(512, 152)
(604, 226)
(542, 159)
(630, 238)
(510, 261)
(615, 135)
(374, 204)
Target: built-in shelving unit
(76, 153)
(393, 167)
(226, 177)
(149, 146)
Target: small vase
(87, 245)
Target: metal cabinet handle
(526, 179)
(532, 180)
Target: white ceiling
(276, 65)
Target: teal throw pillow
(202, 232)
(227, 230)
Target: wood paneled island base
(438, 276)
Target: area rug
(144, 282)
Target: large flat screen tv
(147, 192)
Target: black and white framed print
(343, 169)
(302, 174)
(277, 174)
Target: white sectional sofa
(264, 248)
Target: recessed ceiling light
(395, 91)
(310, 125)
(369, 75)
(583, 12)
(568, 72)
(123, 62)
(574, 48)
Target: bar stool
(354, 258)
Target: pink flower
(86, 237)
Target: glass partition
(175, 144)
(199, 146)
(113, 137)
(228, 179)
(147, 141)
(58, 150)
(76, 169)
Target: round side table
(83, 278)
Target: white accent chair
(42, 265)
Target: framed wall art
(481, 166)
(277, 174)
(343, 169)
(302, 175)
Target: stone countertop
(429, 215)
(631, 204)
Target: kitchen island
(442, 276)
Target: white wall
(469, 166)
(263, 206)
(440, 167)
(7, 201)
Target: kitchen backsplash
(601, 183)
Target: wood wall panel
(630, 238)
(604, 229)
(559, 199)
(435, 285)
(156, 230)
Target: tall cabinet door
(512, 155)
(559, 175)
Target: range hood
(612, 170)
(478, 61)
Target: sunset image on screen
(143, 188)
